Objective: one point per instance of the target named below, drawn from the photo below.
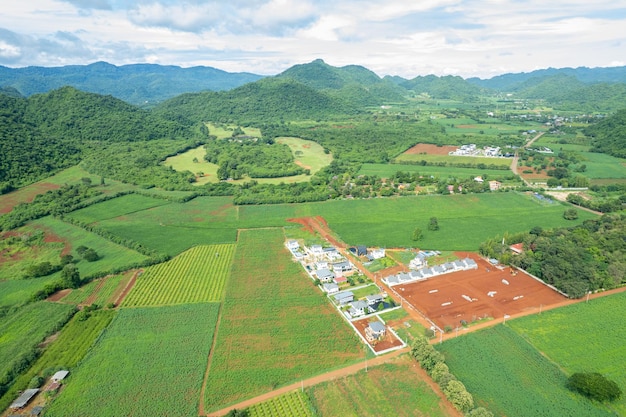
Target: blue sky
(392, 37)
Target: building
(374, 299)
(24, 398)
(344, 297)
(330, 288)
(375, 331)
(325, 275)
(342, 266)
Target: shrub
(594, 386)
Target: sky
(469, 38)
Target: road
(516, 157)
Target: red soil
(388, 342)
(522, 293)
(24, 195)
(59, 295)
(430, 149)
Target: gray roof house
(375, 330)
(325, 275)
(357, 308)
(24, 398)
(331, 288)
(344, 297)
(342, 266)
(373, 299)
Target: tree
(433, 224)
(479, 412)
(570, 214)
(66, 259)
(459, 397)
(594, 386)
(90, 255)
(70, 276)
(238, 413)
(438, 371)
(417, 234)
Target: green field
(65, 352)
(308, 154)
(275, 328)
(100, 291)
(22, 331)
(508, 376)
(149, 362)
(453, 159)
(19, 291)
(601, 166)
(289, 405)
(111, 254)
(584, 337)
(387, 390)
(389, 170)
(223, 131)
(110, 209)
(194, 162)
(195, 276)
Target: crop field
(510, 377)
(111, 254)
(388, 170)
(22, 331)
(116, 207)
(194, 162)
(600, 166)
(392, 389)
(289, 405)
(16, 257)
(584, 337)
(17, 291)
(275, 327)
(100, 291)
(201, 221)
(154, 356)
(65, 352)
(195, 276)
(453, 159)
(450, 298)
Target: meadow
(18, 291)
(197, 275)
(111, 254)
(194, 162)
(584, 337)
(65, 352)
(389, 170)
(141, 356)
(393, 389)
(508, 376)
(276, 328)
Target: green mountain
(140, 84)
(353, 83)
(447, 87)
(47, 132)
(609, 135)
(266, 100)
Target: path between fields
(516, 157)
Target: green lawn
(194, 162)
(600, 165)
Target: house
(459, 265)
(391, 280)
(403, 277)
(438, 269)
(357, 308)
(375, 331)
(417, 262)
(416, 275)
(293, 245)
(479, 179)
(325, 275)
(494, 185)
(374, 299)
(340, 280)
(449, 266)
(316, 249)
(24, 398)
(344, 297)
(333, 255)
(517, 248)
(361, 250)
(330, 288)
(59, 376)
(471, 264)
(377, 253)
(321, 265)
(342, 266)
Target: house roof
(343, 295)
(330, 287)
(340, 279)
(377, 327)
(58, 376)
(517, 248)
(358, 305)
(23, 399)
(374, 297)
(342, 264)
(324, 273)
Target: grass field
(386, 390)
(194, 162)
(276, 328)
(111, 254)
(289, 405)
(65, 352)
(154, 356)
(195, 276)
(601, 166)
(508, 376)
(308, 154)
(110, 209)
(452, 159)
(223, 131)
(388, 170)
(19, 291)
(22, 331)
(585, 337)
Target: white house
(342, 266)
(374, 299)
(293, 245)
(325, 275)
(357, 308)
(330, 288)
(377, 253)
(344, 297)
(375, 331)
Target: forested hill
(447, 87)
(266, 100)
(46, 132)
(610, 135)
(138, 84)
(353, 83)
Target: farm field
(600, 166)
(21, 332)
(508, 376)
(393, 389)
(197, 275)
(308, 154)
(17, 291)
(443, 298)
(584, 337)
(110, 209)
(140, 356)
(111, 254)
(388, 170)
(100, 291)
(275, 328)
(288, 405)
(453, 159)
(65, 352)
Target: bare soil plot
(389, 341)
(445, 299)
(427, 148)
